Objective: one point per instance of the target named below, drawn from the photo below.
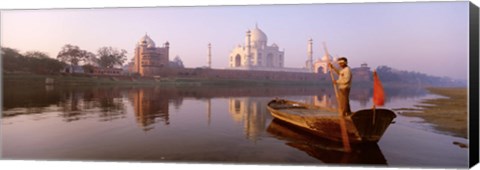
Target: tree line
(41, 63)
(31, 62)
(391, 75)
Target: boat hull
(326, 150)
(361, 127)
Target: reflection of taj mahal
(254, 116)
(252, 113)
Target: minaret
(248, 48)
(209, 60)
(167, 46)
(310, 55)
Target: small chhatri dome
(258, 35)
(147, 41)
(327, 58)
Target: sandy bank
(448, 115)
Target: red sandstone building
(148, 58)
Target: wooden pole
(373, 109)
(343, 127)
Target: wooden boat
(326, 150)
(363, 126)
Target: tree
(109, 57)
(31, 62)
(36, 54)
(90, 58)
(414, 78)
(11, 59)
(74, 55)
(52, 65)
(40, 62)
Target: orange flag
(378, 94)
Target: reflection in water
(326, 98)
(209, 111)
(362, 96)
(27, 100)
(247, 105)
(49, 88)
(73, 103)
(252, 113)
(70, 106)
(323, 101)
(79, 104)
(325, 150)
(150, 106)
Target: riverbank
(93, 80)
(447, 114)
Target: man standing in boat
(344, 83)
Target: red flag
(378, 94)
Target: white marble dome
(258, 35)
(146, 40)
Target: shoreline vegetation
(448, 114)
(92, 80)
(107, 80)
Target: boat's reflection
(325, 150)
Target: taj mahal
(256, 54)
(260, 59)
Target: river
(204, 124)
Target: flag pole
(373, 103)
(373, 109)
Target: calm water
(203, 124)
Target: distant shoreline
(94, 80)
(122, 80)
(447, 115)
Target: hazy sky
(428, 37)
